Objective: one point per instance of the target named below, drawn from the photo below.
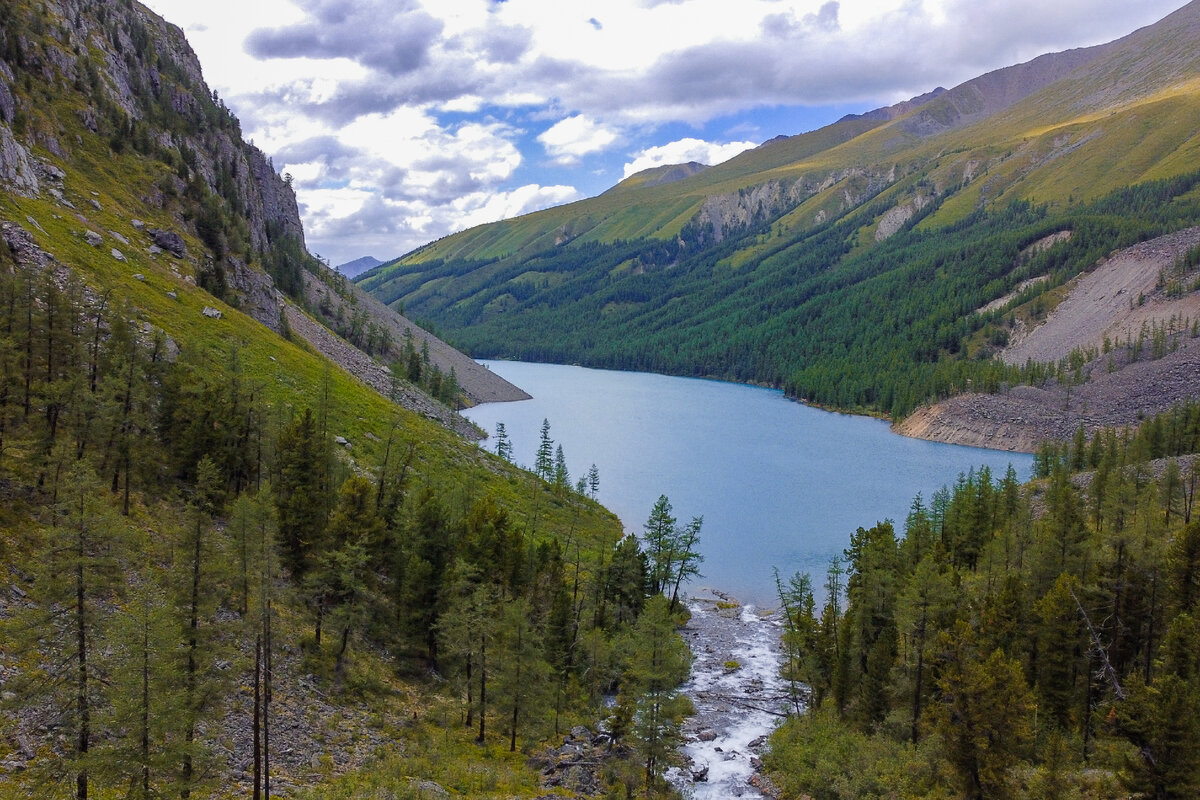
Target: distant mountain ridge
(358, 266)
(733, 271)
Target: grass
(437, 751)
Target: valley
(253, 539)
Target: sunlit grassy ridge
(734, 272)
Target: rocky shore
(1127, 297)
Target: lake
(779, 484)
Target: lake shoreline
(779, 485)
(945, 423)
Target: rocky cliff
(110, 138)
(118, 71)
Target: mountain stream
(738, 694)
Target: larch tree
(657, 661)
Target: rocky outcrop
(256, 293)
(16, 165)
(151, 76)
(723, 214)
(895, 218)
(169, 241)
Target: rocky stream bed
(738, 694)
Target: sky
(403, 121)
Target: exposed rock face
(894, 219)
(16, 165)
(257, 294)
(141, 81)
(8, 104)
(276, 207)
(722, 214)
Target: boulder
(211, 313)
(169, 240)
(92, 238)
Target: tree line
(1016, 641)
(168, 534)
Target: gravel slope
(1114, 300)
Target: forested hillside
(1036, 641)
(852, 265)
(227, 566)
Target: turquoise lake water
(779, 484)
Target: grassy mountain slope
(844, 264)
(156, 404)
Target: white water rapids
(737, 707)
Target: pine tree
(659, 535)
(657, 661)
(983, 713)
(503, 444)
(561, 477)
(299, 498)
(543, 460)
(75, 593)
(340, 581)
(687, 557)
(521, 673)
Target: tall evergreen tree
(657, 661)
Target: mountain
(359, 265)
(238, 512)
(847, 265)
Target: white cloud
(522, 200)
(427, 102)
(683, 151)
(573, 137)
